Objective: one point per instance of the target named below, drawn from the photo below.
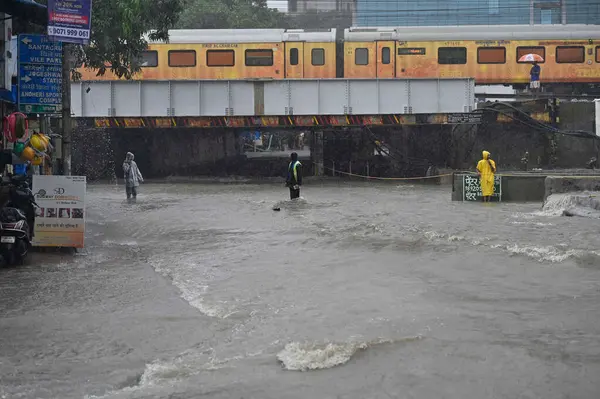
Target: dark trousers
(131, 192)
(294, 193)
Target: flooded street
(375, 290)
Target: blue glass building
(474, 12)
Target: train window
(361, 56)
(452, 55)
(491, 55)
(149, 59)
(317, 56)
(294, 56)
(220, 58)
(570, 54)
(259, 57)
(598, 54)
(386, 55)
(182, 58)
(521, 51)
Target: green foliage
(118, 29)
(230, 14)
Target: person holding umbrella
(535, 71)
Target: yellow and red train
(489, 54)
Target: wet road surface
(375, 290)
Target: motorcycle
(17, 219)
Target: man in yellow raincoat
(486, 168)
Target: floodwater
(355, 291)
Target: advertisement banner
(60, 218)
(70, 20)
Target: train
(489, 54)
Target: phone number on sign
(66, 32)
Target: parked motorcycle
(17, 219)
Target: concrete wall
(158, 152)
(193, 152)
(524, 188)
(566, 184)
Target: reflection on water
(380, 290)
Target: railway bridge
(271, 103)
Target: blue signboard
(40, 75)
(70, 20)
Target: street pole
(66, 110)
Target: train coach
(490, 54)
(233, 54)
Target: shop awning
(27, 10)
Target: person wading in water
(294, 176)
(486, 168)
(133, 176)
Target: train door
(294, 60)
(386, 59)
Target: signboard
(70, 20)
(40, 75)
(472, 188)
(472, 118)
(411, 51)
(60, 220)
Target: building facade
(375, 13)
(304, 6)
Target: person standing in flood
(294, 176)
(133, 176)
(486, 168)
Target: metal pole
(66, 110)
(368, 174)
(531, 8)
(333, 169)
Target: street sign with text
(40, 75)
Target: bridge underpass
(166, 115)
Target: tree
(118, 28)
(230, 14)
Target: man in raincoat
(133, 176)
(294, 176)
(486, 168)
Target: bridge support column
(316, 152)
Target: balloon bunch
(31, 147)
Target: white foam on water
(165, 373)
(124, 243)
(584, 204)
(531, 223)
(546, 254)
(433, 235)
(297, 356)
(193, 293)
